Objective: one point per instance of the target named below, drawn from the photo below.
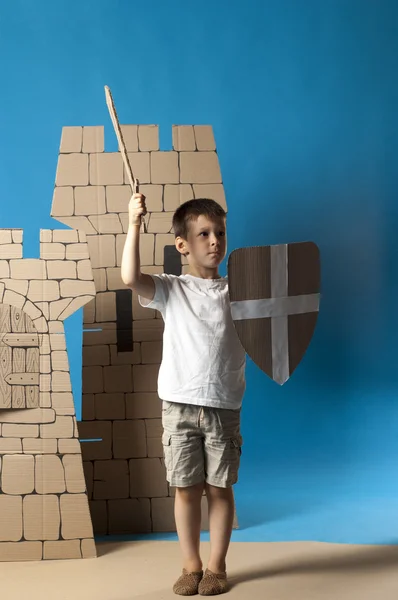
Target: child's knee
(191, 491)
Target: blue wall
(303, 99)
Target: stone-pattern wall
(125, 471)
(44, 512)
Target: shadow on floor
(376, 557)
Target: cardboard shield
(275, 293)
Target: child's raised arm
(131, 274)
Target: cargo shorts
(201, 444)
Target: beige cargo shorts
(201, 444)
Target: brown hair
(191, 210)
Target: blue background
(303, 98)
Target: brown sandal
(213, 584)
(188, 583)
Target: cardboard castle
(45, 499)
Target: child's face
(206, 245)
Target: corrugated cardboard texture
(125, 471)
(44, 512)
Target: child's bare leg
(187, 511)
(221, 518)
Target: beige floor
(274, 571)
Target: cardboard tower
(122, 342)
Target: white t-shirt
(203, 361)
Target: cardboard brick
(17, 475)
(153, 197)
(215, 191)
(163, 514)
(164, 167)
(19, 286)
(14, 299)
(49, 475)
(61, 269)
(89, 200)
(57, 341)
(55, 327)
(61, 550)
(10, 518)
(88, 468)
(74, 476)
(106, 169)
(39, 446)
(42, 306)
(4, 269)
(65, 236)
(93, 139)
(8, 251)
(43, 290)
(117, 198)
(17, 236)
(69, 446)
(204, 137)
(79, 223)
(183, 138)
(41, 324)
(146, 405)
(160, 222)
(75, 516)
(62, 428)
(162, 240)
(99, 279)
(175, 195)
(145, 378)
(129, 439)
(76, 288)
(14, 430)
(130, 137)
(151, 352)
(102, 251)
(22, 551)
(126, 358)
(93, 380)
(99, 516)
(71, 139)
(107, 335)
(106, 223)
(96, 356)
(94, 430)
(5, 236)
(84, 270)
(109, 407)
(28, 268)
(72, 170)
(10, 446)
(41, 517)
(57, 307)
(45, 364)
(105, 309)
(111, 479)
(88, 548)
(60, 382)
(114, 279)
(59, 360)
(148, 137)
(45, 400)
(147, 478)
(62, 403)
(52, 251)
(154, 430)
(140, 163)
(199, 167)
(77, 251)
(45, 382)
(118, 378)
(63, 203)
(129, 516)
(150, 330)
(88, 407)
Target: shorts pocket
(167, 451)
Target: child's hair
(191, 210)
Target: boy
(201, 382)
